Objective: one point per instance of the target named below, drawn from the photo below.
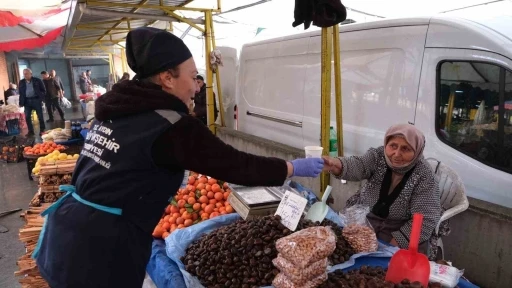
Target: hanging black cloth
(323, 13)
(386, 199)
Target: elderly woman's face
(399, 152)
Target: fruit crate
(11, 148)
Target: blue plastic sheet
(163, 271)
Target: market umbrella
(31, 26)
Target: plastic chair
(453, 194)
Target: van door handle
(275, 119)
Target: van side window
(474, 112)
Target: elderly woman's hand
(332, 165)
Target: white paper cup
(313, 151)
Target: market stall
(51, 170)
(184, 257)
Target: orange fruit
(165, 235)
(216, 210)
(226, 195)
(173, 227)
(185, 197)
(192, 194)
(181, 203)
(229, 209)
(205, 216)
(166, 226)
(182, 210)
(172, 220)
(180, 220)
(197, 206)
(225, 185)
(204, 192)
(216, 188)
(176, 214)
(218, 196)
(191, 200)
(186, 215)
(203, 205)
(200, 186)
(191, 179)
(168, 209)
(212, 181)
(222, 208)
(214, 214)
(204, 199)
(219, 204)
(181, 226)
(211, 195)
(174, 209)
(157, 233)
(209, 209)
(166, 218)
(223, 212)
(194, 216)
(203, 180)
(208, 187)
(188, 222)
(213, 201)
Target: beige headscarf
(414, 137)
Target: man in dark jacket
(200, 107)
(32, 94)
(133, 160)
(53, 93)
(83, 83)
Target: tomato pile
(203, 198)
(43, 148)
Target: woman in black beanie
(133, 161)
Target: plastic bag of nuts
(307, 246)
(361, 238)
(281, 281)
(298, 275)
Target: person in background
(89, 80)
(147, 141)
(83, 83)
(400, 183)
(53, 74)
(32, 94)
(126, 76)
(200, 108)
(53, 93)
(11, 91)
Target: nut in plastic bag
(307, 246)
(299, 275)
(357, 230)
(447, 276)
(281, 281)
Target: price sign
(290, 209)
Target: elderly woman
(400, 183)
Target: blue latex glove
(307, 167)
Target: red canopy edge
(7, 19)
(31, 43)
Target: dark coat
(39, 89)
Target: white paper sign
(290, 209)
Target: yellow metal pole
(217, 80)
(325, 110)
(337, 88)
(449, 113)
(123, 60)
(209, 74)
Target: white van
(395, 71)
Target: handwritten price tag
(290, 209)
